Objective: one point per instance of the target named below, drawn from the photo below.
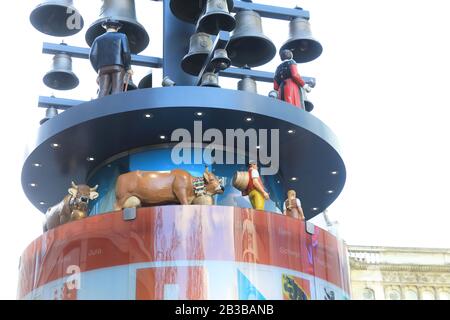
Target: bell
(210, 79)
(125, 12)
(248, 45)
(131, 85)
(199, 49)
(61, 77)
(191, 10)
(57, 18)
(248, 84)
(217, 17)
(147, 81)
(220, 61)
(301, 42)
(49, 113)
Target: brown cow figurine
(138, 188)
(73, 207)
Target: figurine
(288, 81)
(138, 188)
(72, 208)
(110, 56)
(255, 188)
(293, 206)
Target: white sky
(382, 86)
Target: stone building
(385, 273)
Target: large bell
(57, 18)
(248, 84)
(248, 45)
(125, 12)
(61, 76)
(301, 42)
(191, 10)
(199, 49)
(210, 79)
(147, 81)
(217, 17)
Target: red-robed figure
(288, 81)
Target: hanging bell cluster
(58, 18)
(301, 42)
(125, 12)
(249, 46)
(61, 76)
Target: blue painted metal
(272, 12)
(112, 125)
(176, 44)
(58, 103)
(83, 53)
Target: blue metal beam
(272, 12)
(83, 53)
(263, 76)
(58, 103)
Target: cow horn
(74, 185)
(94, 188)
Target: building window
(393, 295)
(427, 295)
(368, 294)
(411, 295)
(444, 295)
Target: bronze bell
(147, 81)
(301, 42)
(210, 79)
(220, 61)
(199, 49)
(217, 17)
(248, 84)
(125, 12)
(191, 10)
(61, 77)
(248, 44)
(49, 113)
(58, 18)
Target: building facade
(387, 273)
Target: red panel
(175, 233)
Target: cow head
(213, 184)
(81, 195)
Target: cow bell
(147, 81)
(49, 113)
(199, 49)
(220, 61)
(248, 44)
(191, 10)
(61, 76)
(248, 84)
(125, 12)
(210, 79)
(217, 17)
(58, 18)
(301, 42)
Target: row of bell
(60, 18)
(248, 45)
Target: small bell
(49, 113)
(199, 48)
(248, 84)
(220, 61)
(210, 79)
(217, 17)
(61, 77)
(147, 81)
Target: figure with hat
(288, 81)
(293, 206)
(255, 189)
(110, 56)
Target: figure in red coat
(288, 81)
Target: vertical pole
(176, 45)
